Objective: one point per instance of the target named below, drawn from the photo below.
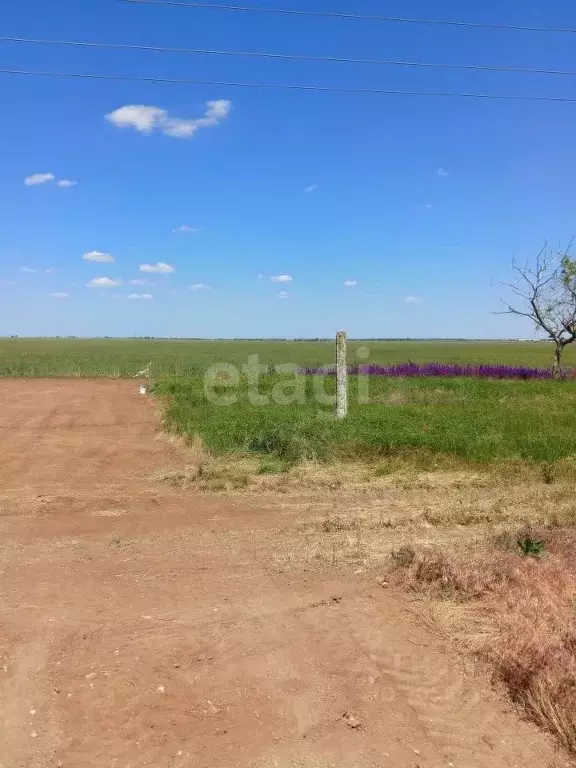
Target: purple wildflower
(445, 370)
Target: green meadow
(124, 357)
(472, 419)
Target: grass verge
(474, 420)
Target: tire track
(462, 717)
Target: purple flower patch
(442, 370)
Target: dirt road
(148, 626)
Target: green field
(124, 357)
(471, 419)
(476, 420)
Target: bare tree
(546, 294)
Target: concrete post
(341, 376)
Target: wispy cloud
(350, 283)
(441, 172)
(311, 188)
(412, 300)
(59, 295)
(428, 205)
(27, 269)
(50, 270)
(147, 119)
(98, 256)
(282, 295)
(281, 278)
(66, 183)
(146, 296)
(104, 282)
(38, 178)
(7, 282)
(186, 229)
(160, 266)
(198, 287)
(141, 281)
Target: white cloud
(104, 282)
(141, 281)
(198, 287)
(428, 205)
(27, 269)
(282, 295)
(186, 228)
(412, 300)
(311, 188)
(147, 119)
(350, 283)
(7, 282)
(140, 117)
(59, 295)
(66, 183)
(216, 111)
(441, 172)
(98, 256)
(140, 296)
(38, 178)
(50, 271)
(281, 278)
(160, 266)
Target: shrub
(531, 547)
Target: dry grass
(519, 614)
(405, 472)
(206, 472)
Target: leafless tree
(546, 293)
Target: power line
(287, 56)
(285, 86)
(351, 16)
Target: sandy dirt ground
(143, 625)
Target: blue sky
(425, 250)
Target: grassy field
(124, 357)
(475, 420)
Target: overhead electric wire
(285, 86)
(351, 16)
(287, 56)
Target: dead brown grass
(526, 609)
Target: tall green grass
(476, 420)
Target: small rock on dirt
(352, 720)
